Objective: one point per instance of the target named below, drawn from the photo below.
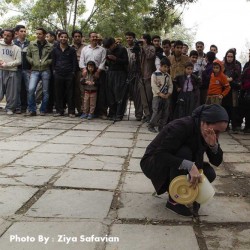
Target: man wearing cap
(179, 148)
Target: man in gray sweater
(10, 58)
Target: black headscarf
(210, 113)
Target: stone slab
(146, 206)
(53, 230)
(233, 148)
(18, 145)
(32, 137)
(141, 144)
(241, 136)
(117, 135)
(245, 142)
(7, 157)
(14, 197)
(138, 152)
(242, 167)
(228, 141)
(96, 162)
(114, 142)
(19, 175)
(148, 237)
(59, 148)
(40, 131)
(72, 204)
(146, 137)
(13, 130)
(134, 165)
(53, 125)
(229, 238)
(89, 179)
(44, 159)
(27, 123)
(95, 150)
(90, 126)
(81, 140)
(225, 209)
(121, 129)
(82, 133)
(138, 183)
(236, 157)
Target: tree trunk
(75, 12)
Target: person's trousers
(9, 88)
(23, 89)
(64, 86)
(213, 100)
(35, 77)
(89, 101)
(146, 96)
(78, 91)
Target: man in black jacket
(179, 148)
(64, 66)
(117, 61)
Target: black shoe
(179, 209)
(138, 119)
(196, 208)
(152, 129)
(30, 114)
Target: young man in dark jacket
(65, 66)
(39, 57)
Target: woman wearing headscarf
(179, 148)
(230, 101)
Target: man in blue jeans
(39, 57)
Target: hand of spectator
(97, 74)
(111, 57)
(195, 177)
(84, 73)
(220, 96)
(230, 79)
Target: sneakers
(84, 116)
(30, 113)
(9, 112)
(18, 111)
(72, 115)
(90, 117)
(179, 209)
(57, 114)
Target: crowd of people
(100, 79)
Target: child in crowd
(193, 59)
(90, 92)
(162, 89)
(219, 86)
(187, 86)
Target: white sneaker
(10, 112)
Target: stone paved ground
(62, 176)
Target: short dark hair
(156, 36)
(213, 46)
(108, 42)
(188, 64)
(178, 43)
(19, 26)
(199, 42)
(91, 32)
(10, 30)
(130, 33)
(193, 53)
(184, 44)
(42, 29)
(147, 37)
(76, 32)
(52, 34)
(63, 33)
(165, 42)
(165, 61)
(210, 56)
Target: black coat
(184, 131)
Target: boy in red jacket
(219, 86)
